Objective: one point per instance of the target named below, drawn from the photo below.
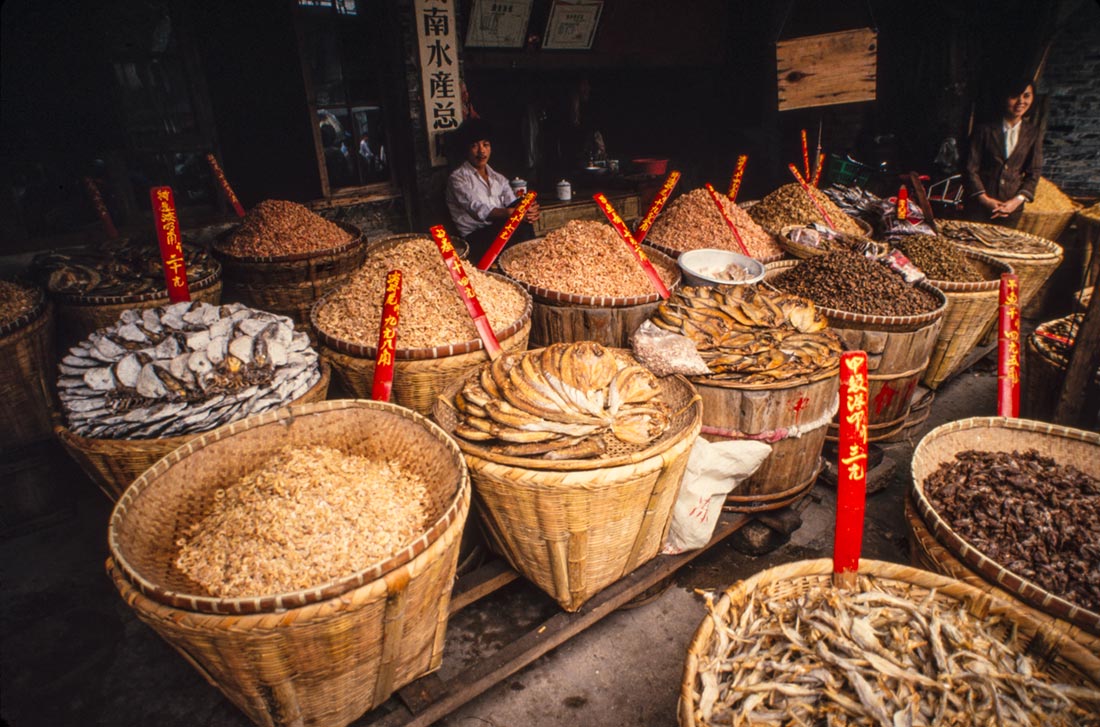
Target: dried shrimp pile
(993, 238)
(584, 258)
(876, 656)
(1049, 198)
(308, 516)
(277, 227)
(692, 222)
(750, 334)
(15, 301)
(789, 205)
(559, 403)
(432, 313)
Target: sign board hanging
(572, 25)
(436, 38)
(498, 23)
(823, 70)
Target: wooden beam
(1083, 360)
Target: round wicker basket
(27, 349)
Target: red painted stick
(635, 247)
(505, 233)
(101, 208)
(851, 488)
(1008, 348)
(806, 187)
(817, 172)
(656, 206)
(387, 338)
(729, 222)
(224, 184)
(805, 155)
(171, 244)
(466, 291)
(738, 173)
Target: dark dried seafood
(184, 368)
(854, 201)
(751, 334)
(692, 222)
(15, 300)
(120, 268)
(849, 282)
(1037, 518)
(939, 258)
(789, 205)
(560, 402)
(993, 238)
(881, 654)
(277, 227)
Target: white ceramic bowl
(701, 266)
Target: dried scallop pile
(789, 205)
(277, 227)
(692, 222)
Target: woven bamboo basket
(289, 284)
(573, 527)
(797, 250)
(1052, 650)
(898, 351)
(419, 374)
(321, 656)
(559, 317)
(462, 248)
(926, 552)
(971, 309)
(1067, 446)
(1042, 377)
(1048, 224)
(27, 349)
(114, 463)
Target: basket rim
(218, 247)
(1053, 249)
(794, 248)
(204, 283)
(39, 304)
(294, 599)
(421, 354)
(820, 375)
(1028, 591)
(675, 254)
(952, 286)
(841, 315)
(1032, 345)
(388, 240)
(598, 301)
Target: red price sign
(101, 208)
(851, 491)
(810, 194)
(738, 173)
(817, 171)
(505, 233)
(224, 184)
(466, 291)
(387, 338)
(171, 243)
(656, 206)
(903, 203)
(635, 247)
(805, 154)
(729, 222)
(1008, 348)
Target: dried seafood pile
(276, 227)
(308, 516)
(1093, 212)
(750, 334)
(1037, 518)
(584, 257)
(184, 368)
(1049, 198)
(15, 301)
(876, 656)
(432, 313)
(692, 222)
(939, 258)
(854, 201)
(993, 238)
(120, 268)
(561, 402)
(849, 282)
(789, 205)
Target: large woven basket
(27, 350)
(114, 463)
(1067, 446)
(289, 284)
(573, 527)
(321, 656)
(1043, 375)
(971, 309)
(1048, 224)
(1054, 652)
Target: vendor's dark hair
(474, 130)
(1015, 86)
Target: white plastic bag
(714, 469)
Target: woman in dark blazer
(1005, 161)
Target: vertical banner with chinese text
(851, 488)
(171, 243)
(1008, 347)
(382, 384)
(436, 38)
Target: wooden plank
(1083, 362)
(822, 70)
(480, 583)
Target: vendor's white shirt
(1012, 136)
(470, 199)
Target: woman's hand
(988, 202)
(1004, 209)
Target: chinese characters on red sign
(806, 188)
(224, 184)
(656, 206)
(435, 33)
(1008, 348)
(171, 244)
(387, 338)
(505, 233)
(466, 291)
(729, 223)
(636, 248)
(851, 462)
(738, 174)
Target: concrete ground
(74, 654)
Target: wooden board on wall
(822, 70)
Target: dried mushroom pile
(184, 368)
(584, 257)
(432, 313)
(307, 516)
(849, 282)
(878, 655)
(939, 258)
(561, 402)
(789, 205)
(276, 227)
(692, 222)
(750, 334)
(1035, 517)
(121, 268)
(15, 301)
(993, 238)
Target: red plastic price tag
(738, 173)
(506, 232)
(387, 338)
(806, 187)
(729, 222)
(1008, 348)
(851, 490)
(171, 243)
(224, 184)
(903, 203)
(466, 291)
(101, 208)
(656, 206)
(635, 247)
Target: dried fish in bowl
(184, 368)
